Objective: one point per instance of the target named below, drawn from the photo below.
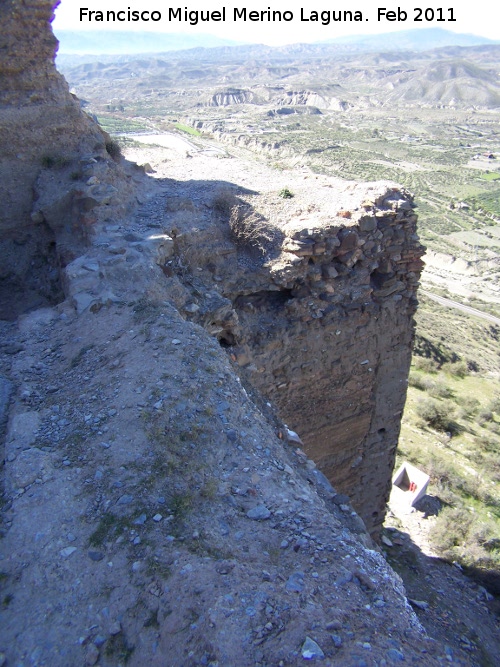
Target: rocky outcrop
(43, 134)
(314, 99)
(231, 96)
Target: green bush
(285, 193)
(434, 387)
(450, 529)
(425, 364)
(469, 407)
(439, 389)
(418, 381)
(438, 415)
(457, 368)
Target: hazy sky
(480, 17)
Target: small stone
(232, 435)
(99, 640)
(140, 521)
(311, 650)
(394, 655)
(386, 541)
(224, 568)
(157, 518)
(176, 341)
(295, 582)
(284, 544)
(334, 625)
(419, 604)
(136, 566)
(259, 513)
(293, 437)
(337, 641)
(125, 500)
(66, 553)
(115, 628)
(91, 655)
(96, 555)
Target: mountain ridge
(97, 42)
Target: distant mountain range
(410, 40)
(107, 42)
(110, 42)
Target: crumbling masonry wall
(325, 331)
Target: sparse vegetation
(249, 229)
(110, 526)
(114, 150)
(450, 430)
(118, 649)
(186, 128)
(55, 161)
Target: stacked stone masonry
(325, 331)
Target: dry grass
(249, 229)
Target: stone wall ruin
(323, 327)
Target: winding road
(460, 306)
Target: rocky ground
(156, 512)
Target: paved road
(459, 306)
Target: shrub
(439, 389)
(224, 202)
(469, 407)
(437, 414)
(285, 193)
(54, 161)
(450, 529)
(425, 364)
(457, 368)
(248, 228)
(113, 149)
(418, 381)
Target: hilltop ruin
(156, 502)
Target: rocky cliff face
(41, 128)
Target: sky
(481, 17)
